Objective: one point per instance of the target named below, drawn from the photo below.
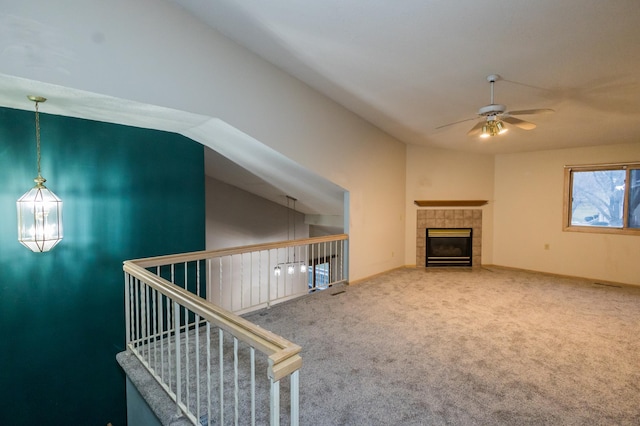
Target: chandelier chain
(38, 138)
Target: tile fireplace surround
(448, 218)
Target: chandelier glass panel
(39, 209)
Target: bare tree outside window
(598, 198)
(634, 199)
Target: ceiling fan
(496, 115)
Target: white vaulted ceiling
(412, 66)
(408, 67)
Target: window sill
(601, 230)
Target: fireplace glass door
(449, 246)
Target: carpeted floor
(462, 346)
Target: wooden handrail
(207, 254)
(283, 355)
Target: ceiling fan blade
(525, 125)
(531, 111)
(476, 129)
(456, 122)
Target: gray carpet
(462, 346)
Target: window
(319, 276)
(603, 198)
(321, 272)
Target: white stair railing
(244, 279)
(180, 325)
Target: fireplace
(449, 247)
(448, 218)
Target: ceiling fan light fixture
(486, 132)
(492, 127)
(495, 116)
(500, 127)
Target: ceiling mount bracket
(492, 78)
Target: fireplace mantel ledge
(450, 203)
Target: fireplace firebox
(449, 247)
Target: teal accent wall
(127, 193)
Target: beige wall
(120, 48)
(238, 218)
(528, 215)
(439, 174)
(106, 48)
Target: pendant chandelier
(39, 209)
(291, 266)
